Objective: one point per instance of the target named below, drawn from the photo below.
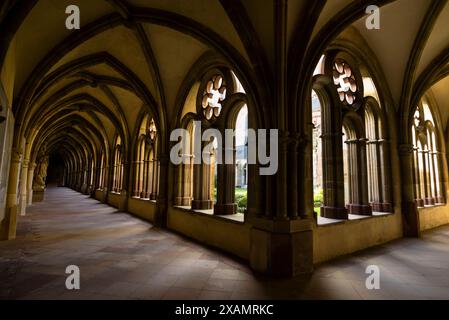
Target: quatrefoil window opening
(213, 97)
(344, 80)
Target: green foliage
(318, 198)
(241, 198)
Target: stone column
(358, 178)
(411, 223)
(201, 185)
(439, 158)
(162, 198)
(183, 193)
(124, 178)
(226, 186)
(426, 160)
(23, 188)
(385, 172)
(8, 230)
(155, 179)
(30, 178)
(333, 180)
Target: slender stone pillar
(439, 158)
(411, 223)
(23, 188)
(358, 178)
(201, 185)
(334, 199)
(162, 196)
(155, 179)
(30, 178)
(385, 170)
(8, 230)
(183, 191)
(226, 187)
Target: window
(101, 171)
(241, 160)
(349, 143)
(117, 181)
(146, 166)
(214, 187)
(317, 153)
(426, 155)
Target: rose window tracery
(213, 97)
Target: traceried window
(117, 181)
(214, 187)
(349, 145)
(426, 155)
(344, 80)
(146, 166)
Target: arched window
(348, 149)
(146, 166)
(218, 183)
(91, 174)
(317, 153)
(426, 155)
(101, 171)
(241, 160)
(117, 181)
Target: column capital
(16, 155)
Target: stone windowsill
(237, 218)
(321, 222)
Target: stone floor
(122, 257)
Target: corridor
(122, 257)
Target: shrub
(318, 198)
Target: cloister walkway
(122, 257)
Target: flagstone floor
(122, 257)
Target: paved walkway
(122, 257)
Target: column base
(377, 207)
(441, 200)
(419, 203)
(182, 201)
(8, 226)
(153, 196)
(429, 201)
(387, 207)
(286, 254)
(202, 204)
(334, 213)
(225, 209)
(361, 210)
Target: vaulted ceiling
(131, 55)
